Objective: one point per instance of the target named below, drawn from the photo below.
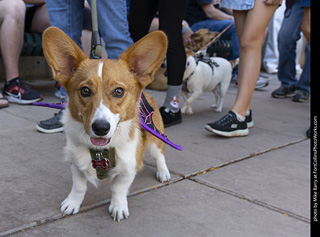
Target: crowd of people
(123, 22)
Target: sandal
(3, 101)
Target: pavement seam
(84, 209)
(252, 155)
(257, 202)
(254, 201)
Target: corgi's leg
(122, 177)
(120, 184)
(163, 174)
(71, 205)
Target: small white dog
(212, 75)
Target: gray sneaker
(301, 96)
(283, 92)
(52, 125)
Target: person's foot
(3, 101)
(262, 82)
(272, 70)
(17, 92)
(283, 92)
(60, 91)
(229, 126)
(301, 96)
(169, 118)
(52, 125)
(249, 119)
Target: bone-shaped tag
(103, 163)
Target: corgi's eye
(85, 92)
(119, 92)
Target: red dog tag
(103, 163)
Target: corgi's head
(103, 93)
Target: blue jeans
(219, 26)
(288, 36)
(112, 21)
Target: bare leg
(250, 26)
(305, 25)
(12, 14)
(40, 20)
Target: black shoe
(17, 92)
(301, 96)
(169, 118)
(51, 125)
(283, 92)
(249, 119)
(229, 126)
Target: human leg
(65, 15)
(250, 26)
(303, 85)
(306, 22)
(113, 26)
(171, 14)
(251, 35)
(12, 16)
(140, 17)
(40, 20)
(289, 34)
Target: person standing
(170, 13)
(251, 19)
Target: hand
(187, 38)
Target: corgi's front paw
(118, 209)
(163, 175)
(71, 205)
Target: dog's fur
(104, 94)
(202, 37)
(200, 77)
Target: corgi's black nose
(101, 127)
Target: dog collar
(103, 161)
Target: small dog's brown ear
(145, 56)
(62, 54)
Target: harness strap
(206, 60)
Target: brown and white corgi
(102, 114)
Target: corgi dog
(103, 115)
(212, 75)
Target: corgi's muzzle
(100, 128)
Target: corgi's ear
(62, 54)
(145, 56)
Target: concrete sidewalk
(257, 185)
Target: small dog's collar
(103, 161)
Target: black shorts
(29, 16)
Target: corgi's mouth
(100, 141)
